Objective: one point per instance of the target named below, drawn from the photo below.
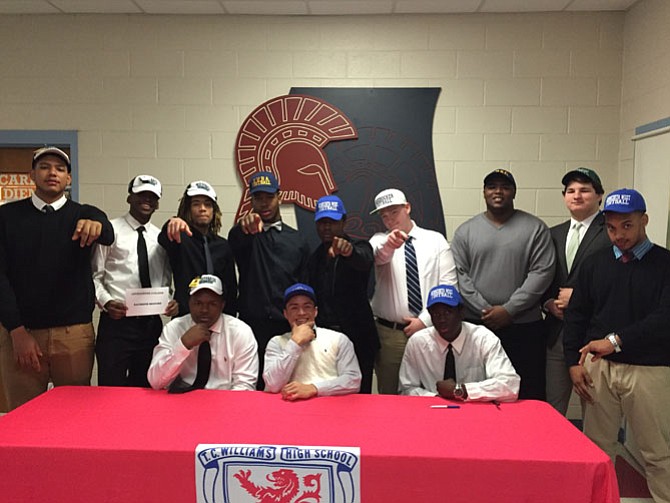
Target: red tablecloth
(126, 444)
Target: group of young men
(463, 321)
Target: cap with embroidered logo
(625, 201)
(41, 152)
(444, 294)
(581, 173)
(388, 197)
(329, 207)
(299, 289)
(500, 173)
(145, 183)
(201, 188)
(263, 181)
(206, 281)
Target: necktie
(573, 245)
(202, 374)
(450, 365)
(143, 258)
(47, 208)
(209, 265)
(413, 285)
(627, 256)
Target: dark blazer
(594, 240)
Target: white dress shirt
(328, 362)
(234, 355)
(115, 268)
(481, 364)
(436, 267)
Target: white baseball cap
(201, 188)
(388, 197)
(41, 152)
(208, 281)
(145, 183)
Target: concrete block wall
(536, 93)
(645, 75)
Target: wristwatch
(612, 338)
(459, 392)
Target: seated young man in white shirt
(455, 359)
(309, 361)
(205, 348)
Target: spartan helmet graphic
(286, 136)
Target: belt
(391, 324)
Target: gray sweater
(510, 266)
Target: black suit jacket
(594, 240)
(341, 286)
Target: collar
(217, 327)
(134, 224)
(414, 230)
(456, 343)
(586, 222)
(276, 225)
(56, 205)
(639, 250)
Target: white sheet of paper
(147, 301)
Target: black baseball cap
(500, 173)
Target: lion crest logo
(284, 487)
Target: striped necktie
(412, 272)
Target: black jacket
(594, 240)
(341, 286)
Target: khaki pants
(389, 358)
(640, 394)
(67, 360)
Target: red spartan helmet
(286, 136)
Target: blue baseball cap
(329, 207)
(299, 289)
(625, 201)
(444, 294)
(263, 181)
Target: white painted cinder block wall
(645, 75)
(536, 93)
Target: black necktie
(208, 256)
(450, 365)
(202, 374)
(47, 208)
(143, 258)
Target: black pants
(525, 345)
(264, 330)
(366, 361)
(124, 349)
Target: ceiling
(304, 7)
